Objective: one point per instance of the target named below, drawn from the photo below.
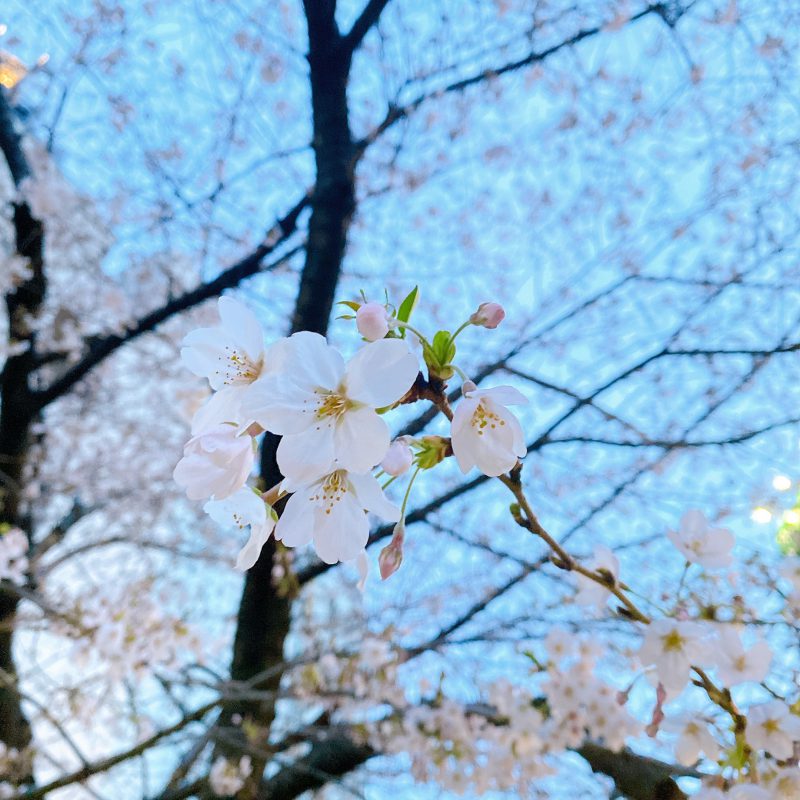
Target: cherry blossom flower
(398, 458)
(326, 411)
(591, 593)
(694, 738)
(229, 354)
(227, 778)
(772, 727)
(784, 784)
(13, 555)
(241, 509)
(673, 646)
(736, 665)
(484, 432)
(701, 544)
(215, 463)
(560, 644)
(372, 321)
(331, 512)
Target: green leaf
(444, 347)
(351, 304)
(407, 308)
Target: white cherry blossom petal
(342, 534)
(223, 406)
(278, 406)
(361, 439)
(295, 527)
(248, 555)
(243, 325)
(372, 498)
(312, 363)
(303, 457)
(381, 372)
(504, 395)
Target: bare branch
(102, 347)
(366, 21)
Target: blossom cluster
(13, 555)
(130, 634)
(499, 744)
(227, 778)
(329, 414)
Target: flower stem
(458, 330)
(413, 330)
(408, 493)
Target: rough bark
(16, 415)
(636, 777)
(264, 617)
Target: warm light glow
(791, 516)
(781, 483)
(761, 515)
(12, 70)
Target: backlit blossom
(673, 646)
(325, 410)
(736, 665)
(772, 727)
(331, 511)
(694, 738)
(13, 555)
(241, 509)
(701, 544)
(484, 432)
(227, 777)
(784, 784)
(215, 463)
(560, 644)
(229, 354)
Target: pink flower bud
(398, 458)
(391, 556)
(488, 315)
(372, 321)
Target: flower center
(672, 641)
(484, 418)
(238, 368)
(331, 491)
(771, 726)
(331, 404)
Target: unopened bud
(432, 450)
(398, 458)
(372, 321)
(488, 315)
(391, 556)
